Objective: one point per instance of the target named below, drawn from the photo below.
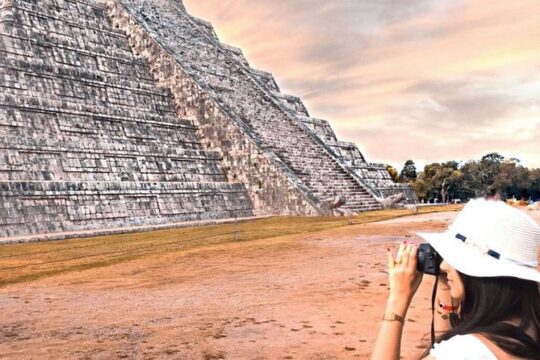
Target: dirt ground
(316, 296)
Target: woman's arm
(404, 280)
(442, 316)
(388, 343)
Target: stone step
(233, 87)
(48, 207)
(17, 63)
(87, 139)
(135, 150)
(99, 94)
(41, 17)
(105, 48)
(90, 110)
(70, 132)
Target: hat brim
(472, 262)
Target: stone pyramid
(126, 115)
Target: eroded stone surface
(242, 94)
(222, 79)
(87, 139)
(122, 113)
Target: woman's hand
(404, 278)
(404, 281)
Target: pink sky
(428, 80)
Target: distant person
(488, 300)
(492, 194)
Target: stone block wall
(373, 177)
(87, 139)
(223, 77)
(272, 187)
(117, 114)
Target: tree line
(452, 180)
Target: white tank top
(462, 347)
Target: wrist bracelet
(448, 308)
(393, 317)
(443, 315)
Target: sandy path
(318, 296)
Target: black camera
(428, 260)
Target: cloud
(464, 103)
(431, 80)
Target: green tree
(513, 180)
(408, 173)
(489, 166)
(451, 180)
(534, 180)
(421, 189)
(453, 185)
(438, 181)
(471, 186)
(393, 173)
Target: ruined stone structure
(117, 114)
(375, 176)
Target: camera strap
(433, 295)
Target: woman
(488, 299)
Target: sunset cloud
(430, 80)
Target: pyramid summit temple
(123, 115)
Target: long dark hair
(491, 308)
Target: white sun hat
(490, 239)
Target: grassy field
(27, 262)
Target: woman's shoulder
(462, 347)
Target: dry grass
(26, 262)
